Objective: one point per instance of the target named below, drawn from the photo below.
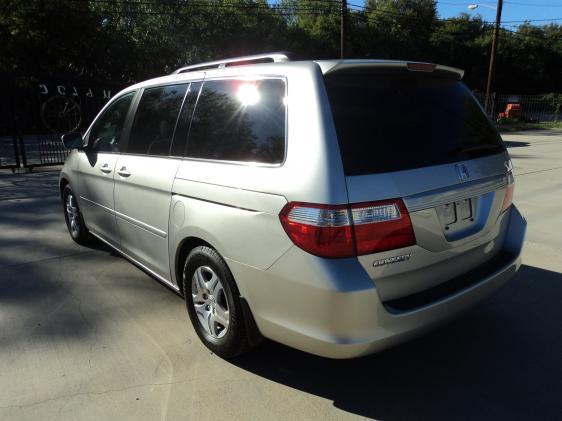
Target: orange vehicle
(511, 111)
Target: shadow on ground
(501, 361)
(62, 300)
(514, 144)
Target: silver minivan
(338, 207)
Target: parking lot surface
(85, 335)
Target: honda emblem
(462, 172)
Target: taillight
(348, 230)
(508, 199)
(322, 230)
(381, 226)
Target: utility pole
(343, 16)
(493, 55)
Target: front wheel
(73, 217)
(213, 303)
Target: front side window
(155, 120)
(106, 132)
(239, 120)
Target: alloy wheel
(210, 302)
(73, 214)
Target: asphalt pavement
(85, 335)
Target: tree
(316, 24)
(129, 40)
(402, 27)
(464, 42)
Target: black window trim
(244, 163)
(191, 83)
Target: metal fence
(541, 109)
(35, 112)
(9, 153)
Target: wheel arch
(183, 250)
(62, 184)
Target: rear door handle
(123, 172)
(105, 168)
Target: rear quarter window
(392, 121)
(239, 120)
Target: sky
(539, 12)
(511, 11)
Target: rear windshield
(403, 120)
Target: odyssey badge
(390, 260)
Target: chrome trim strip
(444, 195)
(136, 262)
(133, 221)
(105, 208)
(142, 225)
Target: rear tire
(73, 217)
(213, 303)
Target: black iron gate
(36, 112)
(9, 154)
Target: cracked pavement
(85, 335)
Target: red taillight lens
(380, 226)
(319, 229)
(345, 231)
(508, 199)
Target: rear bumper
(331, 307)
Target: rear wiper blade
(477, 148)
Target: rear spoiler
(333, 66)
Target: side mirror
(73, 140)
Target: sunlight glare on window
(248, 94)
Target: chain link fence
(541, 109)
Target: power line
(277, 8)
(482, 30)
(196, 3)
(534, 4)
(199, 6)
(265, 9)
(464, 3)
(518, 33)
(531, 20)
(376, 10)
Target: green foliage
(515, 125)
(316, 23)
(554, 101)
(402, 25)
(128, 40)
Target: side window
(239, 120)
(105, 135)
(155, 120)
(182, 129)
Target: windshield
(392, 121)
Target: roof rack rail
(235, 61)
